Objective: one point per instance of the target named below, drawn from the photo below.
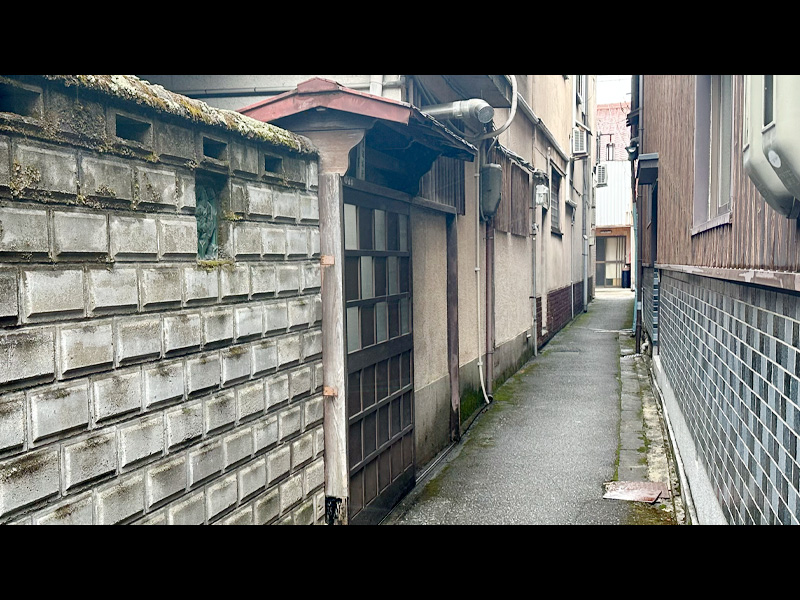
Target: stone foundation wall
(139, 384)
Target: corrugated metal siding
(613, 201)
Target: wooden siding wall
(513, 212)
(757, 237)
(444, 183)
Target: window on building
(555, 201)
(713, 148)
(609, 151)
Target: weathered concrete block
(203, 373)
(260, 200)
(221, 496)
(177, 237)
(184, 424)
(12, 420)
(202, 285)
(23, 231)
(112, 290)
(248, 321)
(217, 325)
(29, 478)
(160, 287)
(165, 480)
(157, 518)
(312, 277)
(76, 511)
(52, 294)
(279, 462)
(302, 449)
(290, 422)
(77, 233)
(265, 357)
(9, 303)
(312, 343)
(265, 432)
(141, 440)
(155, 187)
(273, 241)
(288, 349)
(187, 200)
(133, 238)
(235, 282)
(182, 332)
(205, 461)
(238, 201)
(309, 207)
(277, 390)
(319, 441)
(89, 459)
(163, 383)
(313, 242)
(175, 141)
(252, 478)
(313, 477)
(28, 354)
(235, 364)
(285, 205)
(246, 241)
(137, 338)
(291, 492)
(318, 377)
(106, 177)
(287, 278)
(276, 316)
(219, 411)
(242, 516)
(304, 513)
(301, 312)
(117, 395)
(268, 508)
(191, 511)
(58, 409)
(46, 168)
(262, 280)
(250, 400)
(5, 160)
(296, 241)
(313, 411)
(244, 158)
(85, 348)
(300, 382)
(121, 501)
(237, 446)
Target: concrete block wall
(731, 354)
(138, 384)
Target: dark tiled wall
(731, 354)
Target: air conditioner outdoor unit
(602, 175)
(542, 195)
(579, 141)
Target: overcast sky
(613, 88)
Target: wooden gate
(380, 385)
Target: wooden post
(333, 348)
(452, 328)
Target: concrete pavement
(573, 418)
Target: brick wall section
(731, 354)
(559, 311)
(138, 384)
(611, 121)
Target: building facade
(719, 264)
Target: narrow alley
(554, 435)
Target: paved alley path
(542, 451)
